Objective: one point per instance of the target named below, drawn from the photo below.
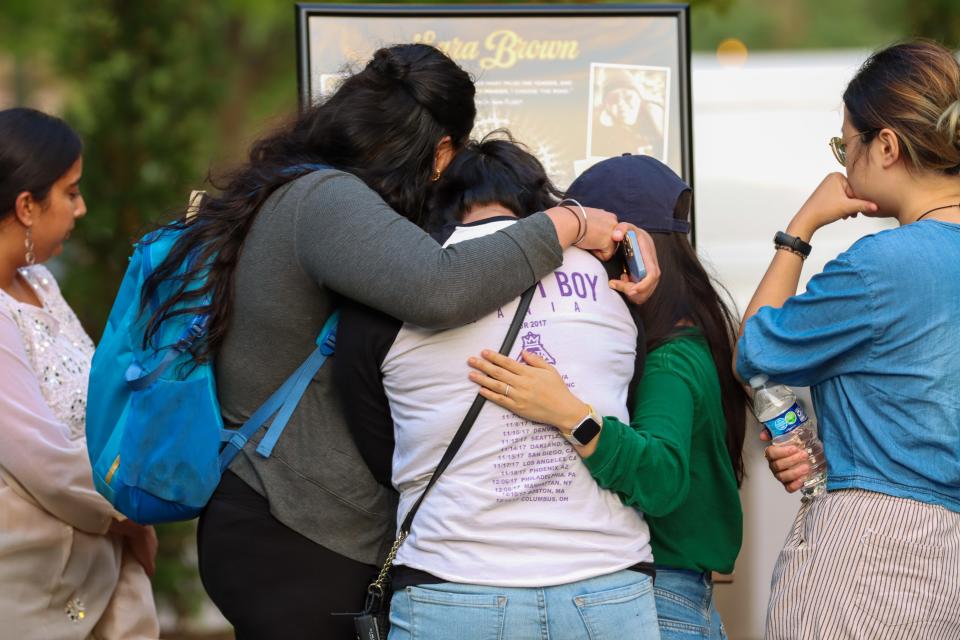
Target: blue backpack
(155, 435)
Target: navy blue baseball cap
(641, 190)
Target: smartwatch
(791, 243)
(588, 429)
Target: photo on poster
(629, 109)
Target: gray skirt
(865, 565)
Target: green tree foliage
(823, 24)
(937, 19)
(158, 90)
(23, 40)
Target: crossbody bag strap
(376, 590)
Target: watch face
(586, 432)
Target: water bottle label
(786, 421)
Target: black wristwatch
(791, 243)
(588, 429)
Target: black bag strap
(472, 413)
(376, 590)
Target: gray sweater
(323, 235)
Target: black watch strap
(792, 243)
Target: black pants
(269, 581)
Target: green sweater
(671, 461)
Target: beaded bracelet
(783, 247)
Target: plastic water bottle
(777, 408)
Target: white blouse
(62, 574)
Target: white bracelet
(582, 218)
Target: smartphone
(633, 261)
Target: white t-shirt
(517, 507)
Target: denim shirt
(877, 338)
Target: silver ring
(506, 391)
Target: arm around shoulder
(350, 240)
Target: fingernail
(471, 361)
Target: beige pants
(867, 566)
(131, 614)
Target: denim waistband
(402, 576)
(692, 573)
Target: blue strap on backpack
(155, 435)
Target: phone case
(631, 255)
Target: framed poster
(574, 83)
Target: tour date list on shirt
(536, 464)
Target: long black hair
(687, 294)
(36, 151)
(383, 125)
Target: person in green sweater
(680, 458)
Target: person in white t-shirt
(516, 540)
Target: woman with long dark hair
(875, 336)
(70, 565)
(679, 460)
(288, 540)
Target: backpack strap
(283, 401)
(140, 379)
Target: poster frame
(304, 11)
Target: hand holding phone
(633, 261)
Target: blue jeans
(685, 605)
(612, 607)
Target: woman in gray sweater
(328, 207)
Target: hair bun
(949, 123)
(388, 66)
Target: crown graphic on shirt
(532, 343)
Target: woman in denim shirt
(876, 337)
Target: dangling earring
(30, 256)
(436, 175)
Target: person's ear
(443, 156)
(888, 148)
(25, 208)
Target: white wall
(760, 136)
